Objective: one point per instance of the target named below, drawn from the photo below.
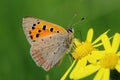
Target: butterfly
(49, 42)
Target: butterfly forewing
(35, 29)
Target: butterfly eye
(70, 30)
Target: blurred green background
(15, 60)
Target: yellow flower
(103, 61)
(82, 52)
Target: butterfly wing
(35, 29)
(49, 55)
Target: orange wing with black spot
(35, 28)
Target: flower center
(82, 50)
(109, 60)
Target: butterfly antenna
(79, 21)
(70, 22)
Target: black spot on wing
(42, 39)
(37, 35)
(34, 24)
(44, 27)
(50, 37)
(51, 29)
(33, 27)
(38, 22)
(54, 52)
(31, 37)
(29, 32)
(39, 30)
(58, 31)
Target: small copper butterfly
(49, 42)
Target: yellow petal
(97, 45)
(106, 43)
(119, 61)
(95, 56)
(99, 38)
(106, 73)
(118, 53)
(118, 67)
(79, 67)
(76, 42)
(90, 69)
(99, 74)
(90, 35)
(98, 54)
(67, 72)
(116, 42)
(92, 59)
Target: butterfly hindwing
(49, 55)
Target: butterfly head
(70, 30)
